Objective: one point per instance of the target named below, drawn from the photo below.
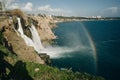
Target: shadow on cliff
(3, 66)
(9, 72)
(19, 72)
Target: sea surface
(89, 46)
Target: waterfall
(27, 40)
(20, 27)
(36, 38)
(35, 41)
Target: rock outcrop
(44, 26)
(15, 43)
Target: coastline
(59, 20)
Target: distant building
(2, 7)
(99, 16)
(96, 17)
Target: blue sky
(108, 8)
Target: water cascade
(35, 41)
(27, 40)
(20, 30)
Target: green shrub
(1, 38)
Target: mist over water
(63, 52)
(57, 52)
(102, 35)
(75, 48)
(73, 41)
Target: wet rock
(46, 58)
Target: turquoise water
(95, 47)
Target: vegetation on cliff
(13, 68)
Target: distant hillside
(72, 18)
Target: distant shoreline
(64, 19)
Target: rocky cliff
(16, 44)
(44, 25)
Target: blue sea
(95, 47)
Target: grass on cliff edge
(19, 70)
(43, 72)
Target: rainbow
(91, 44)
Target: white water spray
(27, 40)
(77, 44)
(36, 39)
(20, 27)
(57, 52)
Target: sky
(81, 8)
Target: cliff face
(16, 44)
(44, 26)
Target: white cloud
(28, 6)
(48, 8)
(13, 6)
(25, 7)
(7, 2)
(43, 8)
(113, 9)
(110, 10)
